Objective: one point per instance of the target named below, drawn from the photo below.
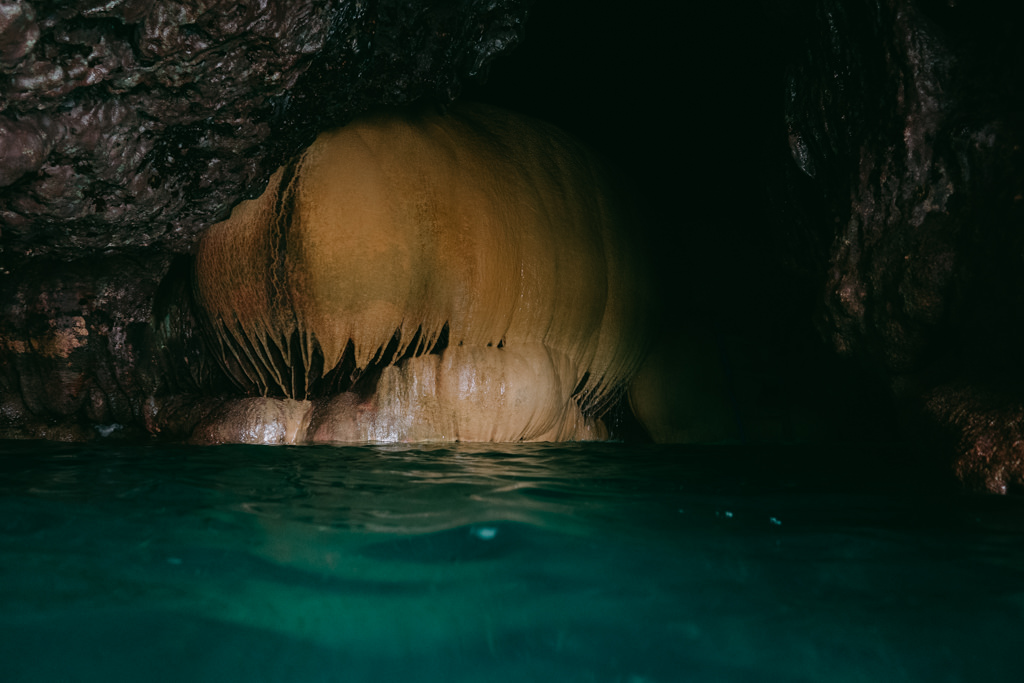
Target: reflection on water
(572, 563)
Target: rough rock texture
(128, 126)
(130, 123)
(908, 119)
(75, 344)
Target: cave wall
(833, 188)
(133, 123)
(904, 122)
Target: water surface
(550, 563)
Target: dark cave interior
(699, 130)
(833, 190)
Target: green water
(579, 563)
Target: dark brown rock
(137, 123)
(907, 118)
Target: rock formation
(906, 121)
(871, 190)
(127, 127)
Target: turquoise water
(532, 563)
